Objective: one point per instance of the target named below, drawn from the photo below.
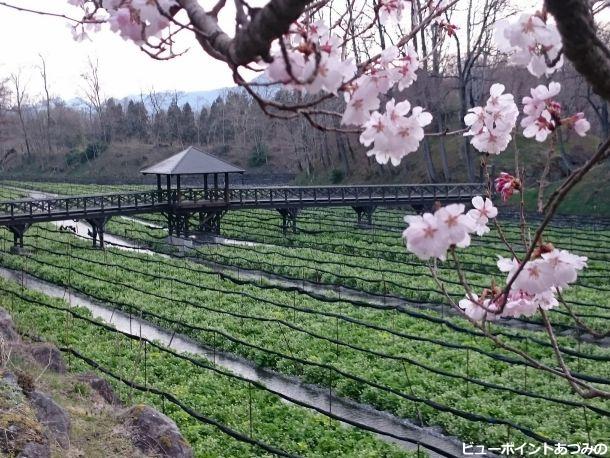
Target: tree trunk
(443, 150)
(429, 164)
(466, 141)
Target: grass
(96, 427)
(590, 197)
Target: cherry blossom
(394, 134)
(541, 95)
(138, 20)
(538, 128)
(455, 224)
(390, 11)
(578, 122)
(312, 62)
(362, 101)
(543, 114)
(519, 303)
(424, 237)
(431, 235)
(402, 69)
(482, 212)
(536, 285)
(134, 20)
(491, 140)
(536, 277)
(362, 96)
(533, 41)
(564, 265)
(491, 126)
(478, 309)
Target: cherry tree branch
(43, 13)
(584, 390)
(552, 206)
(590, 390)
(581, 44)
(579, 321)
(252, 41)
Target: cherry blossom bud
(506, 184)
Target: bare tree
(93, 93)
(470, 49)
(20, 100)
(47, 101)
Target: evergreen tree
(160, 128)
(174, 118)
(113, 121)
(203, 127)
(188, 129)
(137, 120)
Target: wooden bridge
(208, 205)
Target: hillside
(121, 161)
(45, 410)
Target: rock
(25, 382)
(9, 378)
(101, 386)
(53, 417)
(48, 354)
(35, 450)
(7, 328)
(154, 432)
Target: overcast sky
(124, 69)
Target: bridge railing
(248, 196)
(350, 193)
(81, 204)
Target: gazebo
(192, 161)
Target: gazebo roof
(191, 161)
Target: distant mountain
(197, 99)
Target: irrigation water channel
(420, 438)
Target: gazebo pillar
(169, 186)
(178, 196)
(215, 186)
(159, 190)
(226, 186)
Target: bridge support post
(365, 212)
(422, 208)
(18, 230)
(178, 223)
(181, 224)
(289, 219)
(209, 221)
(98, 227)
